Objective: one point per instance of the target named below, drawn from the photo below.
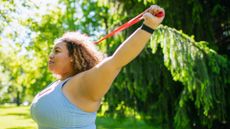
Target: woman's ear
(72, 58)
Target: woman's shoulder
(52, 84)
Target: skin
(86, 89)
(60, 63)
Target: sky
(19, 11)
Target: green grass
(12, 117)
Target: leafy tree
(175, 82)
(191, 96)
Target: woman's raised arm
(94, 83)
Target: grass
(12, 117)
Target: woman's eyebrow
(57, 47)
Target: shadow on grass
(7, 107)
(127, 123)
(24, 115)
(16, 114)
(19, 128)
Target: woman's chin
(51, 69)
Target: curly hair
(85, 54)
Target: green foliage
(199, 68)
(175, 82)
(193, 95)
(185, 85)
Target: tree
(192, 97)
(176, 82)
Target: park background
(180, 80)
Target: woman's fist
(153, 16)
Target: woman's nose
(51, 56)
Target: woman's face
(60, 62)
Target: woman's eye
(56, 51)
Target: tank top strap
(63, 97)
(62, 83)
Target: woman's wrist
(147, 28)
(150, 24)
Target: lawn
(12, 117)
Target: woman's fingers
(155, 9)
(154, 16)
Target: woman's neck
(64, 76)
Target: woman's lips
(51, 62)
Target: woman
(84, 78)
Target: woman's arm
(130, 48)
(94, 83)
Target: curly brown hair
(84, 53)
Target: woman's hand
(150, 18)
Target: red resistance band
(127, 24)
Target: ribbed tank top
(50, 109)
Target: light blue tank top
(52, 110)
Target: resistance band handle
(127, 24)
(160, 14)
